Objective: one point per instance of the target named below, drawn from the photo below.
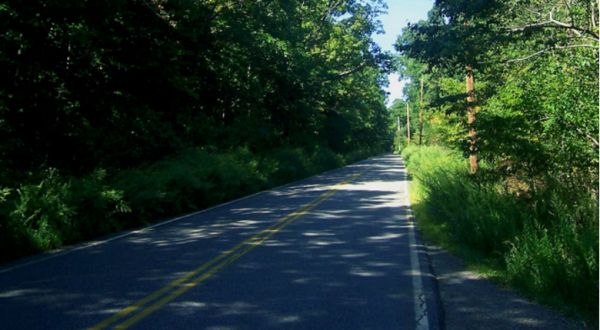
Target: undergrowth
(57, 210)
(545, 245)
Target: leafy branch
(549, 49)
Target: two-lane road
(336, 251)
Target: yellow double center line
(181, 285)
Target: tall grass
(546, 245)
(58, 210)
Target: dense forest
(505, 97)
(121, 112)
(117, 113)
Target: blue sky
(400, 12)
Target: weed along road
(335, 251)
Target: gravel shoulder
(471, 302)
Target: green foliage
(286, 165)
(122, 112)
(120, 84)
(558, 262)
(58, 211)
(62, 210)
(536, 82)
(193, 180)
(540, 242)
(532, 209)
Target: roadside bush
(61, 210)
(57, 211)
(545, 244)
(286, 165)
(193, 180)
(357, 155)
(557, 258)
(96, 206)
(324, 159)
(477, 215)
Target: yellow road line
(149, 310)
(268, 232)
(124, 312)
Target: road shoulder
(472, 302)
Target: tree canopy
(536, 81)
(118, 83)
(514, 85)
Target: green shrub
(545, 243)
(96, 206)
(43, 213)
(61, 210)
(356, 155)
(57, 211)
(477, 215)
(193, 180)
(557, 259)
(286, 165)
(324, 159)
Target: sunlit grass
(546, 245)
(437, 233)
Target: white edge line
(66, 250)
(420, 305)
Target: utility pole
(474, 162)
(398, 117)
(408, 123)
(471, 120)
(421, 115)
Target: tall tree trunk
(408, 123)
(471, 121)
(421, 115)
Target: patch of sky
(400, 13)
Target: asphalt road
(336, 251)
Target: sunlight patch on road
(189, 304)
(318, 233)
(380, 264)
(386, 236)
(245, 223)
(324, 242)
(366, 273)
(287, 319)
(253, 211)
(331, 215)
(302, 280)
(273, 243)
(175, 237)
(237, 308)
(355, 255)
(372, 186)
(17, 293)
